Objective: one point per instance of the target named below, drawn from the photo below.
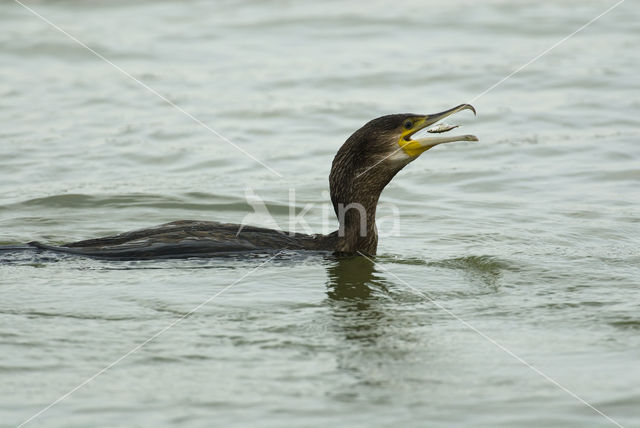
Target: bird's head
(383, 146)
(369, 159)
(391, 137)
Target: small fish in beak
(440, 128)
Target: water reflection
(352, 278)
(356, 293)
(375, 338)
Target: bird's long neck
(354, 199)
(357, 219)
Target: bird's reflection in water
(353, 278)
(356, 293)
(374, 332)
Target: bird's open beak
(419, 145)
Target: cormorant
(363, 166)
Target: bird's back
(187, 238)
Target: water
(531, 236)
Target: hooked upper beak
(419, 145)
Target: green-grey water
(526, 240)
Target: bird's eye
(408, 124)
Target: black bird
(363, 166)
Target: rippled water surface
(522, 247)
